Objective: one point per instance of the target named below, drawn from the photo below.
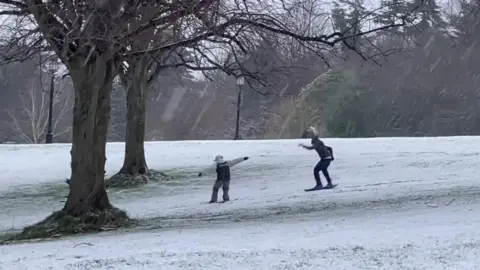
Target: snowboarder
(223, 177)
(326, 157)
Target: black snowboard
(322, 188)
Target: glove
(199, 174)
(245, 158)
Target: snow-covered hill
(402, 203)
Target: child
(223, 176)
(213, 167)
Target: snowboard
(222, 201)
(322, 188)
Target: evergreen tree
(392, 10)
(427, 15)
(347, 18)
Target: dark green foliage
(347, 107)
(336, 103)
(352, 117)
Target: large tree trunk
(93, 86)
(135, 162)
(134, 170)
(135, 82)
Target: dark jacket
(324, 151)
(223, 171)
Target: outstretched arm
(306, 146)
(213, 167)
(209, 169)
(234, 162)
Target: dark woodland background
(426, 83)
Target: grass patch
(6, 236)
(173, 174)
(60, 224)
(50, 190)
(129, 181)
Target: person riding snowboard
(326, 157)
(223, 177)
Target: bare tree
(29, 123)
(137, 74)
(93, 39)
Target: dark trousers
(225, 185)
(322, 166)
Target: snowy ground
(402, 203)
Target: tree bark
(136, 83)
(134, 162)
(93, 85)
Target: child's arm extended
(212, 168)
(209, 169)
(234, 162)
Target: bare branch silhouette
(29, 123)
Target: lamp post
(240, 82)
(49, 136)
